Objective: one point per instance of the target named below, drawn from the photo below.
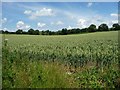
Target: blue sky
(57, 15)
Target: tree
(92, 28)
(36, 32)
(83, 30)
(47, 32)
(6, 32)
(1, 32)
(42, 33)
(103, 27)
(31, 31)
(64, 31)
(116, 26)
(19, 31)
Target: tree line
(65, 31)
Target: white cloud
(69, 27)
(59, 23)
(27, 12)
(45, 12)
(5, 29)
(89, 4)
(41, 25)
(72, 27)
(82, 23)
(110, 23)
(22, 25)
(52, 23)
(4, 20)
(39, 13)
(114, 14)
(115, 21)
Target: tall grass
(85, 61)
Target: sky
(57, 15)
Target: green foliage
(33, 74)
(65, 31)
(92, 28)
(19, 31)
(92, 78)
(41, 61)
(103, 27)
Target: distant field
(60, 39)
(91, 60)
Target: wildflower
(69, 73)
(78, 77)
(6, 39)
